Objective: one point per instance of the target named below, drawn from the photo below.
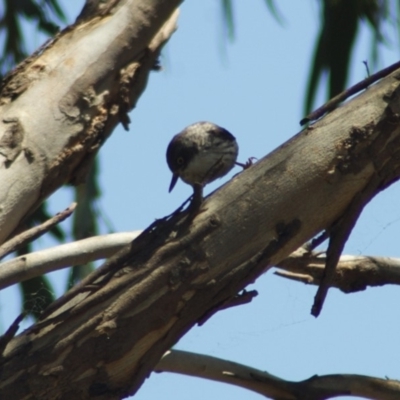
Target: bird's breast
(211, 162)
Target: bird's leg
(197, 199)
(247, 164)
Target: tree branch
(79, 86)
(79, 252)
(31, 234)
(353, 273)
(335, 101)
(110, 331)
(339, 234)
(10, 333)
(314, 388)
(175, 274)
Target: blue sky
(255, 89)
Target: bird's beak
(174, 179)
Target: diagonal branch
(339, 234)
(60, 105)
(33, 233)
(335, 101)
(109, 332)
(315, 388)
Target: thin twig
(33, 233)
(315, 242)
(11, 331)
(333, 103)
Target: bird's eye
(179, 160)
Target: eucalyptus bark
(353, 273)
(106, 335)
(318, 387)
(59, 106)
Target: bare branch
(33, 233)
(109, 332)
(335, 101)
(58, 257)
(10, 333)
(314, 388)
(353, 273)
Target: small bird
(201, 153)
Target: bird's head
(201, 153)
(180, 152)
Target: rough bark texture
(59, 106)
(105, 336)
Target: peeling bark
(60, 105)
(105, 336)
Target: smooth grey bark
(79, 252)
(59, 106)
(317, 387)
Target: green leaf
(228, 16)
(274, 11)
(340, 20)
(227, 12)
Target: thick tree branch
(59, 106)
(314, 388)
(104, 337)
(354, 273)
(130, 311)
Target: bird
(200, 154)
